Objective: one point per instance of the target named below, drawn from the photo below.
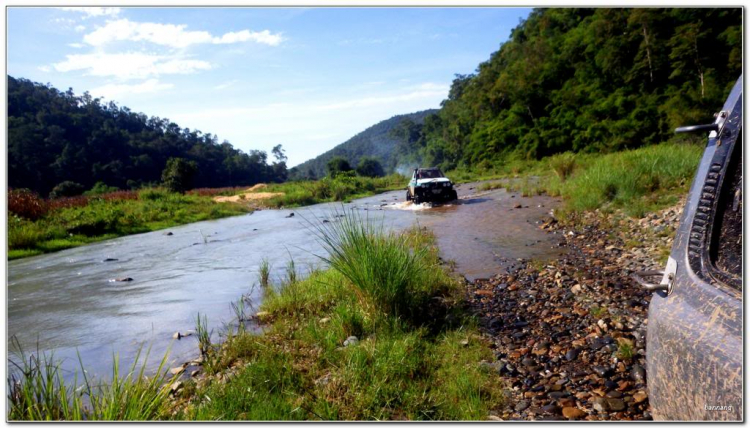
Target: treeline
(56, 137)
(583, 80)
(374, 143)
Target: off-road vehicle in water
(694, 343)
(430, 185)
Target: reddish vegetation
(73, 201)
(27, 204)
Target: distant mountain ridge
(375, 141)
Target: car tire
(408, 196)
(453, 195)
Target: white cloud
(264, 37)
(75, 45)
(90, 12)
(225, 84)
(130, 65)
(44, 68)
(423, 91)
(80, 28)
(112, 91)
(175, 36)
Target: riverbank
(437, 355)
(637, 182)
(570, 335)
(37, 226)
(383, 334)
(342, 188)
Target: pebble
(522, 405)
(556, 328)
(572, 354)
(573, 413)
(351, 341)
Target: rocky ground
(569, 336)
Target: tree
(56, 136)
(279, 153)
(369, 167)
(178, 174)
(338, 165)
(279, 167)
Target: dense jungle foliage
(56, 136)
(583, 80)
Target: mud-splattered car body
(694, 345)
(430, 185)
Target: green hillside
(377, 141)
(56, 137)
(586, 80)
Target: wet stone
(573, 413)
(615, 404)
(638, 374)
(522, 405)
(572, 354)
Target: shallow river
(66, 302)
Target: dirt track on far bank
(251, 194)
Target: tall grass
(637, 181)
(563, 164)
(264, 273)
(382, 266)
(37, 391)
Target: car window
(725, 250)
(430, 173)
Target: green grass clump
(38, 392)
(409, 363)
(264, 273)
(382, 266)
(563, 164)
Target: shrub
(154, 194)
(178, 174)
(66, 189)
(100, 188)
(563, 164)
(369, 167)
(27, 204)
(337, 165)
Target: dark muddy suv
(694, 345)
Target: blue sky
(307, 78)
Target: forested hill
(586, 80)
(55, 136)
(376, 141)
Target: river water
(65, 302)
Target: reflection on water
(65, 301)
